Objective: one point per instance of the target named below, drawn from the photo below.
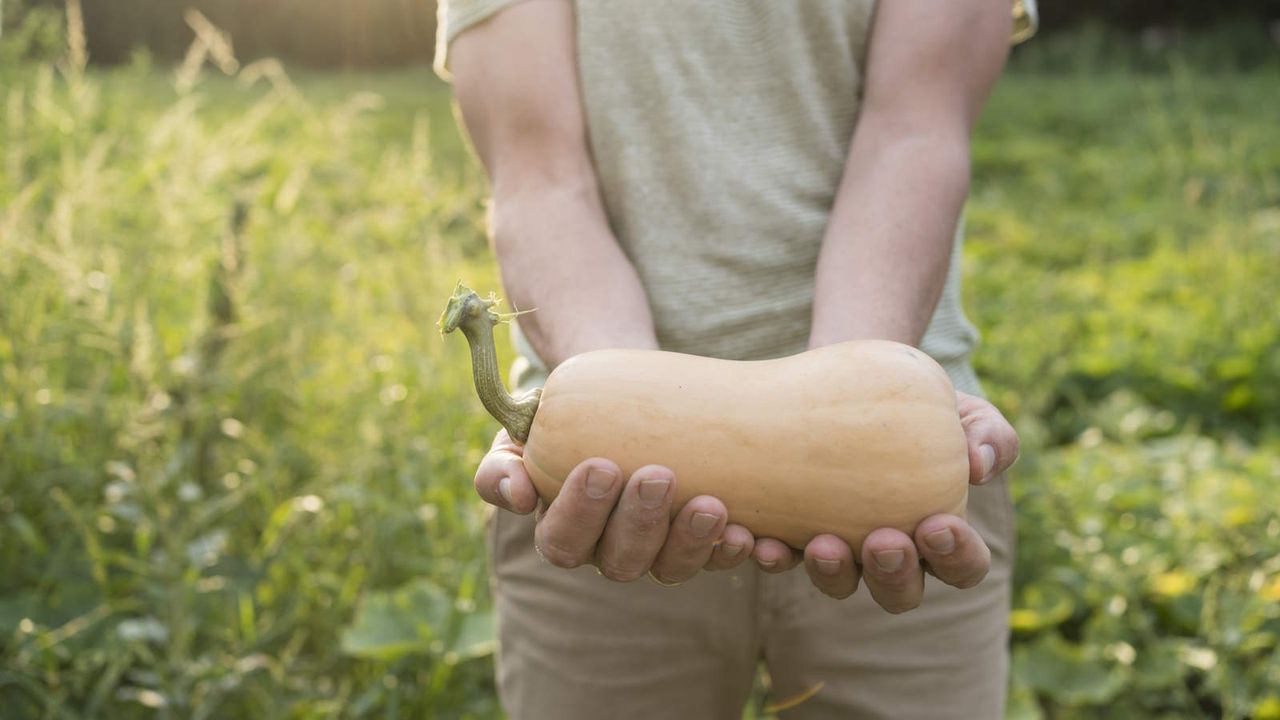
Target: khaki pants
(573, 644)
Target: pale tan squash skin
(843, 439)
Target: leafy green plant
(235, 459)
(1149, 576)
(229, 426)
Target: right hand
(622, 526)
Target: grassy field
(235, 455)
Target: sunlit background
(235, 455)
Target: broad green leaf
(473, 639)
(1067, 673)
(391, 624)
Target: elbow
(942, 158)
(939, 147)
(944, 150)
(545, 175)
(554, 197)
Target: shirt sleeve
(455, 16)
(1026, 20)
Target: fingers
(829, 562)
(639, 525)
(774, 556)
(993, 443)
(735, 545)
(690, 542)
(891, 570)
(953, 551)
(569, 529)
(501, 479)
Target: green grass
(222, 438)
(235, 455)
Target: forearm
(888, 242)
(515, 79)
(557, 254)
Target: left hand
(951, 550)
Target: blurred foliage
(354, 33)
(1123, 261)
(1228, 44)
(320, 33)
(235, 478)
(1149, 576)
(230, 428)
(1148, 262)
(1139, 14)
(30, 33)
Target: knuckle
(511, 464)
(686, 547)
(649, 522)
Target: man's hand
(622, 526)
(892, 563)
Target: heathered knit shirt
(719, 132)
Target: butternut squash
(843, 439)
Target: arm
(885, 255)
(515, 80)
(884, 260)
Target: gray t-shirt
(719, 132)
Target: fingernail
(701, 523)
(730, 551)
(599, 482)
(827, 566)
(942, 541)
(767, 564)
(653, 490)
(504, 489)
(889, 560)
(988, 454)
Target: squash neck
(475, 317)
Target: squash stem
(475, 316)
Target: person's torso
(719, 132)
